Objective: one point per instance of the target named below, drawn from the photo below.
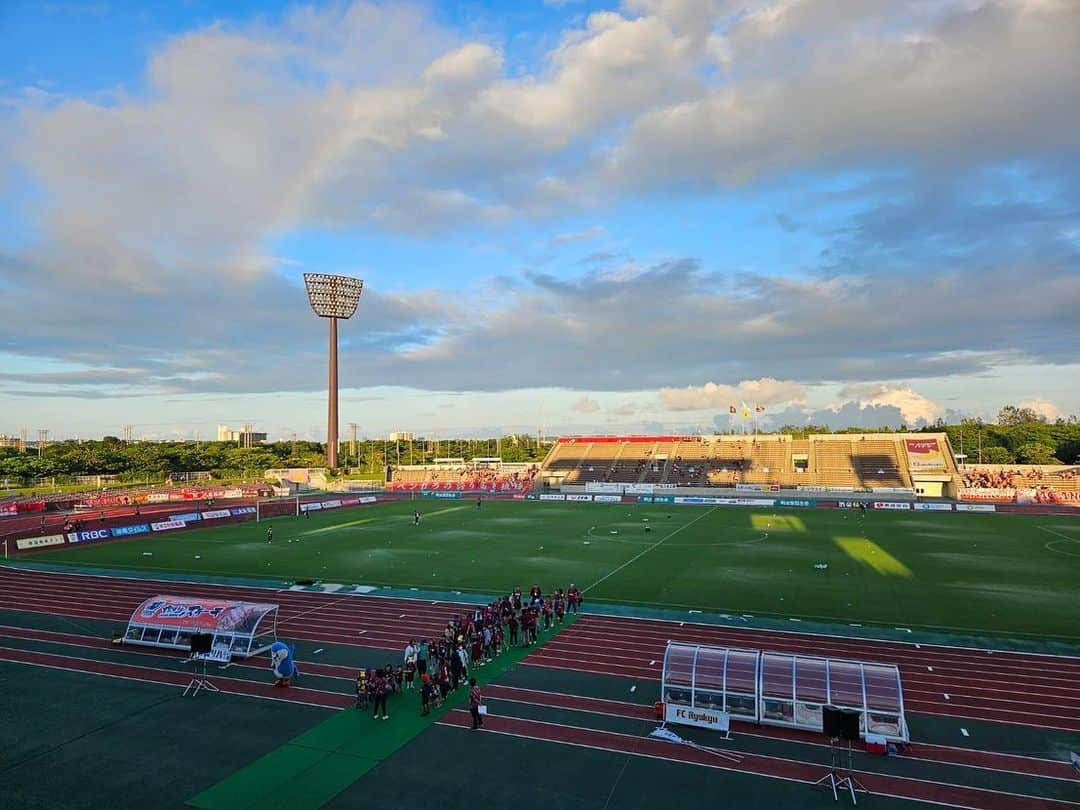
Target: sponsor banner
(891, 505)
(86, 537)
(603, 486)
(663, 499)
(9, 509)
(802, 488)
(242, 510)
(975, 507)
(187, 517)
(445, 494)
(607, 498)
(924, 454)
(704, 718)
(366, 499)
(1000, 494)
(695, 499)
(934, 507)
(124, 531)
(579, 497)
(745, 501)
(167, 525)
(518, 497)
(892, 491)
(194, 614)
(639, 489)
(750, 487)
(233, 493)
(800, 502)
(331, 504)
(215, 513)
(310, 507)
(157, 497)
(545, 496)
(644, 499)
(39, 542)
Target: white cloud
(1043, 407)
(585, 404)
(765, 391)
(914, 407)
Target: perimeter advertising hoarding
(547, 496)
(167, 525)
(901, 505)
(215, 513)
(39, 542)
(607, 498)
(367, 499)
(579, 497)
(703, 718)
(187, 517)
(310, 507)
(794, 502)
(124, 531)
(975, 507)
(90, 536)
(242, 510)
(924, 454)
(934, 507)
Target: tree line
(139, 461)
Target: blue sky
(575, 216)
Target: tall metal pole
(332, 406)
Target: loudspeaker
(830, 721)
(201, 642)
(849, 725)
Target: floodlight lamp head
(333, 296)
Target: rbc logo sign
(96, 534)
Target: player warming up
(269, 534)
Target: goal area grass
(1007, 575)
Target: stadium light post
(334, 298)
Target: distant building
(245, 438)
(401, 436)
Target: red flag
(759, 409)
(731, 409)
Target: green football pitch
(992, 574)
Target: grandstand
(457, 474)
(913, 463)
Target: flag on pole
(731, 409)
(759, 409)
(745, 411)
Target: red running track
(233, 686)
(377, 622)
(773, 767)
(1032, 766)
(1005, 687)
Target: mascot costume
(281, 661)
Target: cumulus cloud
(161, 206)
(585, 404)
(913, 406)
(765, 391)
(1043, 407)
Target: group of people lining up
(469, 640)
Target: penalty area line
(641, 554)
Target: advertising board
(89, 536)
(167, 525)
(703, 718)
(39, 542)
(125, 531)
(934, 507)
(898, 505)
(215, 513)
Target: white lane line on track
(659, 542)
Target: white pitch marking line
(638, 556)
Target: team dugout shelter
(780, 689)
(247, 628)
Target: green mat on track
(311, 769)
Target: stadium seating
(845, 461)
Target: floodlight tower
(333, 297)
